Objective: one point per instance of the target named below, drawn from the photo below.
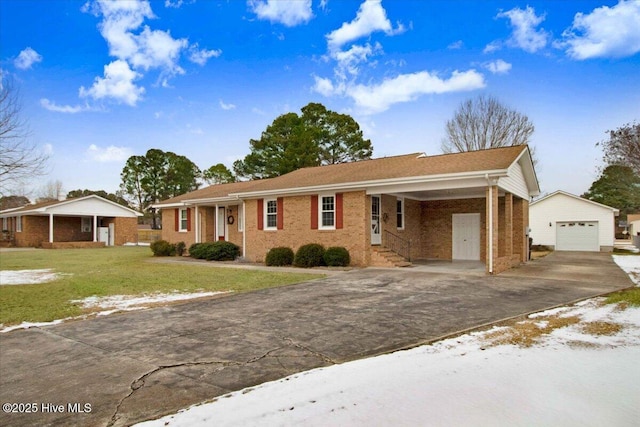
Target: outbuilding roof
(577, 198)
(79, 206)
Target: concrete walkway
(141, 365)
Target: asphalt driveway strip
(129, 367)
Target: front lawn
(114, 271)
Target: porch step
(384, 257)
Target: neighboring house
(463, 206)
(566, 222)
(82, 222)
(633, 222)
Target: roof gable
(560, 193)
(87, 205)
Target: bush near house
(337, 256)
(214, 251)
(180, 248)
(309, 255)
(163, 248)
(279, 256)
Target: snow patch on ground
(568, 377)
(27, 277)
(631, 265)
(116, 303)
(123, 302)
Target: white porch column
(217, 221)
(95, 228)
(197, 227)
(50, 228)
(244, 231)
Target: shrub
(163, 248)
(279, 256)
(180, 247)
(309, 255)
(214, 251)
(336, 256)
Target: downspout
(490, 224)
(217, 221)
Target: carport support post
(95, 228)
(50, 228)
(197, 224)
(492, 226)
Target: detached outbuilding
(89, 221)
(566, 222)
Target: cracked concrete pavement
(141, 365)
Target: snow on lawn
(571, 366)
(27, 277)
(631, 265)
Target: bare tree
(20, 158)
(623, 147)
(52, 190)
(483, 123)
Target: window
(271, 214)
(400, 214)
(4, 224)
(85, 225)
(328, 212)
(240, 218)
(19, 224)
(184, 220)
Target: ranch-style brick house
(462, 206)
(83, 222)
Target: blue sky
(101, 81)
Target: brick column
(492, 228)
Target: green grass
(629, 296)
(115, 271)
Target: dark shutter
(280, 215)
(177, 219)
(188, 219)
(314, 212)
(260, 214)
(339, 223)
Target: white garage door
(577, 236)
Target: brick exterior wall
(35, 230)
(437, 229)
(428, 225)
(297, 229)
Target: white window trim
(19, 224)
(5, 226)
(320, 211)
(266, 214)
(186, 221)
(402, 212)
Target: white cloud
(27, 58)
(258, 111)
(607, 32)
(371, 17)
(48, 149)
(349, 60)
(226, 106)
(492, 47)
(176, 4)
(201, 56)
(525, 35)
(157, 49)
(109, 154)
(456, 45)
(408, 87)
(497, 67)
(52, 106)
(117, 84)
(287, 12)
(324, 86)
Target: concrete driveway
(141, 365)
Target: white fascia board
(212, 200)
(168, 205)
(372, 186)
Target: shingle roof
(395, 167)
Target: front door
(466, 236)
(222, 224)
(376, 237)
